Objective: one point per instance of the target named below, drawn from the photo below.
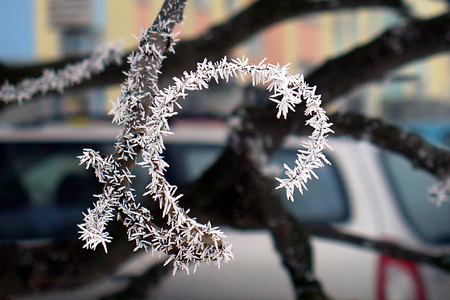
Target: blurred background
(45, 30)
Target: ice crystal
(440, 192)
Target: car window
(44, 190)
(189, 161)
(325, 200)
(411, 187)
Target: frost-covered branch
(192, 242)
(70, 75)
(288, 91)
(143, 109)
(186, 241)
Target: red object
(407, 267)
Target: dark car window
(411, 187)
(325, 200)
(43, 188)
(189, 161)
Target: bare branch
(386, 135)
(391, 249)
(395, 47)
(219, 40)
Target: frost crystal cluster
(288, 91)
(144, 110)
(186, 241)
(440, 192)
(70, 75)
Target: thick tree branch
(230, 183)
(421, 153)
(373, 61)
(236, 194)
(219, 40)
(395, 47)
(391, 249)
(141, 287)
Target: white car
(365, 192)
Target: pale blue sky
(16, 30)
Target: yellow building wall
(47, 39)
(119, 23)
(437, 83)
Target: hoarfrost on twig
(193, 242)
(185, 240)
(440, 192)
(144, 110)
(59, 80)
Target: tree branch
(220, 39)
(422, 154)
(61, 265)
(336, 77)
(370, 62)
(233, 192)
(391, 249)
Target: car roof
(186, 131)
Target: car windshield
(411, 187)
